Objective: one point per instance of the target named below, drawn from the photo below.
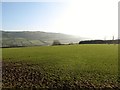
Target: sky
(96, 19)
(0, 16)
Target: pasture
(65, 66)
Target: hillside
(36, 38)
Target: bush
(56, 42)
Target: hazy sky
(96, 19)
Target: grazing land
(65, 66)
(35, 38)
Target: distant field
(67, 66)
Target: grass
(95, 64)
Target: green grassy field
(73, 65)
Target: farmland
(65, 66)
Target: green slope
(27, 38)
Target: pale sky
(96, 19)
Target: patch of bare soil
(23, 75)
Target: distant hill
(36, 38)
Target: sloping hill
(36, 38)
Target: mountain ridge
(35, 38)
